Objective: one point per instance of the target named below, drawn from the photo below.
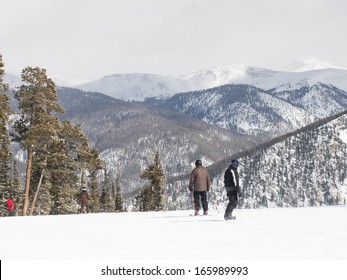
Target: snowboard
(230, 218)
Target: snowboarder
(199, 184)
(84, 200)
(231, 183)
(10, 205)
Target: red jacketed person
(10, 205)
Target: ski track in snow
(317, 233)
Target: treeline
(58, 157)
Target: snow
(320, 233)
(312, 64)
(343, 135)
(139, 86)
(83, 245)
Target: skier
(10, 205)
(199, 184)
(84, 200)
(231, 183)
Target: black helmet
(235, 163)
(198, 162)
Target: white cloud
(92, 38)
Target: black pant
(232, 203)
(203, 196)
(11, 213)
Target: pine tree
(16, 188)
(5, 151)
(65, 202)
(119, 202)
(63, 167)
(113, 195)
(94, 166)
(37, 101)
(153, 195)
(106, 201)
(50, 135)
(142, 202)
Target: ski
(199, 215)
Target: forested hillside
(128, 134)
(304, 168)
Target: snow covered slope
(317, 233)
(320, 100)
(304, 168)
(312, 64)
(246, 109)
(142, 86)
(135, 86)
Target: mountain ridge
(138, 87)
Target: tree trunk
(37, 192)
(27, 182)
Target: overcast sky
(89, 39)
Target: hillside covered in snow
(303, 168)
(242, 108)
(138, 86)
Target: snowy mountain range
(253, 111)
(242, 108)
(141, 86)
(275, 102)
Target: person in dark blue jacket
(231, 183)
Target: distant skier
(10, 205)
(84, 200)
(200, 184)
(231, 183)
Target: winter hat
(198, 162)
(235, 163)
(84, 189)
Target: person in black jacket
(231, 183)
